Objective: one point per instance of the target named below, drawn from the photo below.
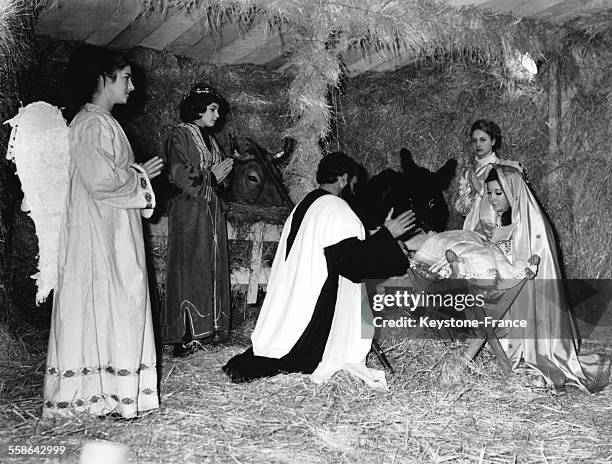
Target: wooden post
(554, 107)
(257, 238)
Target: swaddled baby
(463, 254)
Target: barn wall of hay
(15, 36)
(256, 96)
(429, 107)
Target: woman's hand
(221, 170)
(401, 224)
(153, 166)
(475, 183)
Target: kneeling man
(313, 316)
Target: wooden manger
(496, 303)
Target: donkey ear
(446, 173)
(407, 162)
(253, 143)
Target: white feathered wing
(39, 148)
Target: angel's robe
(101, 357)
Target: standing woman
(486, 138)
(197, 280)
(101, 356)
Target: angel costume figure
(101, 356)
(197, 306)
(314, 318)
(510, 217)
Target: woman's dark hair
(335, 165)
(87, 63)
(197, 101)
(506, 217)
(491, 129)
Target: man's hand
(221, 170)
(401, 224)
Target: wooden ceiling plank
(367, 63)
(505, 6)
(265, 53)
(172, 29)
(462, 3)
(208, 45)
(395, 62)
(138, 30)
(572, 9)
(125, 14)
(85, 19)
(242, 46)
(276, 46)
(189, 39)
(278, 62)
(50, 19)
(535, 7)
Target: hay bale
(16, 18)
(429, 107)
(242, 216)
(11, 348)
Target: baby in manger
(464, 254)
(483, 254)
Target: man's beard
(348, 194)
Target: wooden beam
(536, 7)
(122, 17)
(173, 28)
(278, 45)
(461, 3)
(279, 62)
(208, 45)
(570, 9)
(138, 30)
(85, 19)
(395, 62)
(189, 39)
(242, 46)
(554, 108)
(519, 8)
(504, 6)
(50, 19)
(550, 10)
(373, 61)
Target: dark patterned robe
(197, 281)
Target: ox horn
(288, 148)
(235, 151)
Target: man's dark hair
(335, 165)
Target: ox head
(416, 188)
(255, 178)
